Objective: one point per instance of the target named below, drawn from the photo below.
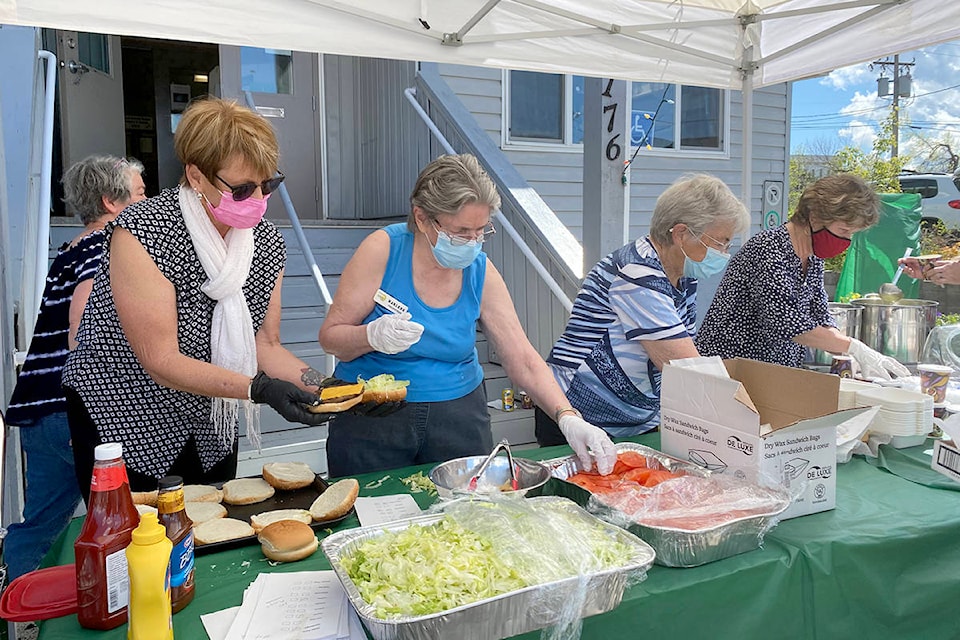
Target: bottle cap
(170, 482)
(108, 451)
(149, 531)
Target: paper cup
(842, 366)
(934, 379)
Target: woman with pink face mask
(182, 330)
(771, 303)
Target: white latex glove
(393, 333)
(874, 364)
(587, 440)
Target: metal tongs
(503, 444)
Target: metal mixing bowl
(453, 476)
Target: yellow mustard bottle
(148, 562)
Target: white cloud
(846, 77)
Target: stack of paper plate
(902, 413)
(848, 393)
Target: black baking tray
(281, 499)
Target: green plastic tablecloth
(884, 564)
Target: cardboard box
(766, 423)
(946, 459)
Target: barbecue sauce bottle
(103, 587)
(170, 508)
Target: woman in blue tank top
(433, 285)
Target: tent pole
(746, 176)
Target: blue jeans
(419, 433)
(51, 495)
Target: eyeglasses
(723, 246)
(243, 191)
(458, 240)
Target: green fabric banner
(872, 257)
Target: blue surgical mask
(455, 256)
(713, 263)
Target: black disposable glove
(369, 409)
(287, 399)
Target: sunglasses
(243, 191)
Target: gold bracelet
(562, 410)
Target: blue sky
(842, 108)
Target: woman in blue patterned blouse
(771, 303)
(637, 309)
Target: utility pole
(902, 85)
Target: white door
(91, 95)
(284, 86)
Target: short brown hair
(212, 131)
(842, 197)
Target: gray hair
(450, 182)
(697, 201)
(87, 182)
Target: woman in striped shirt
(97, 189)
(637, 311)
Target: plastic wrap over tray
(675, 547)
(503, 616)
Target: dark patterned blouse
(154, 422)
(764, 301)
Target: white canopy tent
(717, 43)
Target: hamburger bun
(246, 491)
(385, 395)
(262, 520)
(337, 397)
(145, 497)
(145, 508)
(336, 501)
(221, 530)
(201, 493)
(202, 511)
(287, 541)
(288, 475)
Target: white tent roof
(703, 42)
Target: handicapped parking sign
(772, 204)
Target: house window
(545, 107)
(548, 108)
(93, 50)
(669, 116)
(266, 70)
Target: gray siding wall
(557, 175)
(376, 144)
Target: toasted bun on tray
(288, 475)
(336, 501)
(145, 508)
(201, 493)
(246, 491)
(221, 530)
(287, 541)
(338, 397)
(202, 511)
(384, 388)
(265, 519)
(148, 498)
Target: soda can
(842, 366)
(507, 397)
(526, 402)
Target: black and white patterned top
(38, 391)
(153, 422)
(763, 301)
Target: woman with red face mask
(181, 333)
(771, 303)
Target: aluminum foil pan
(674, 547)
(505, 615)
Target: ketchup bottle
(103, 587)
(179, 528)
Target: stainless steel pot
(897, 330)
(848, 319)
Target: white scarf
(226, 261)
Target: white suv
(940, 193)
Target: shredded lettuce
(383, 382)
(418, 483)
(478, 550)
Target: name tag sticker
(388, 302)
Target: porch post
(606, 189)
